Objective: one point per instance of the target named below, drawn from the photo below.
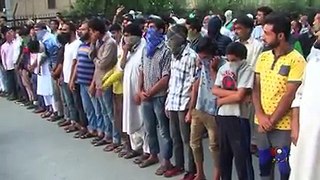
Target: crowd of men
(151, 88)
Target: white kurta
(44, 87)
(132, 120)
(305, 157)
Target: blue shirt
(206, 101)
(85, 66)
(51, 45)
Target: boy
(203, 107)
(233, 83)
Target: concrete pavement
(34, 149)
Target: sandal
(118, 149)
(110, 147)
(87, 136)
(96, 139)
(101, 143)
(142, 158)
(79, 134)
(46, 114)
(131, 154)
(123, 153)
(163, 169)
(149, 162)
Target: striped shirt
(85, 66)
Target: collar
(248, 41)
(283, 54)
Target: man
(183, 67)
(194, 31)
(81, 79)
(262, 12)
(77, 119)
(278, 75)
(103, 52)
(222, 41)
(305, 127)
(7, 57)
(153, 84)
(54, 25)
(243, 29)
(132, 119)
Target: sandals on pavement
(149, 162)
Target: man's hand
(92, 90)
(219, 102)
(265, 122)
(119, 10)
(72, 86)
(137, 99)
(294, 136)
(188, 117)
(144, 96)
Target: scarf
(176, 41)
(153, 39)
(40, 34)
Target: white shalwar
(44, 87)
(305, 157)
(132, 119)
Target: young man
(243, 29)
(305, 126)
(194, 31)
(202, 107)
(233, 83)
(132, 118)
(153, 85)
(183, 66)
(103, 52)
(278, 75)
(262, 12)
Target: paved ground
(33, 149)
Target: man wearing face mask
(132, 119)
(194, 31)
(51, 46)
(222, 41)
(183, 70)
(153, 85)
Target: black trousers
(234, 142)
(12, 83)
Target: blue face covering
(40, 34)
(153, 39)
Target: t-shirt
(206, 101)
(233, 76)
(70, 54)
(275, 74)
(85, 65)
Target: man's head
(3, 20)
(158, 24)
(316, 23)
(176, 38)
(243, 27)
(194, 27)
(206, 48)
(10, 35)
(205, 21)
(97, 29)
(40, 29)
(54, 25)
(276, 30)
(262, 12)
(68, 30)
(132, 34)
(236, 51)
(304, 20)
(127, 19)
(214, 27)
(116, 32)
(84, 31)
(295, 26)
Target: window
(51, 4)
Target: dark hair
(222, 18)
(237, 49)
(265, 10)
(206, 45)
(115, 27)
(128, 17)
(34, 46)
(72, 26)
(280, 23)
(41, 25)
(159, 23)
(24, 31)
(133, 30)
(194, 23)
(107, 22)
(97, 25)
(245, 21)
(181, 29)
(298, 24)
(55, 21)
(140, 21)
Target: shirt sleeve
(297, 69)
(297, 100)
(246, 77)
(166, 64)
(218, 81)
(259, 64)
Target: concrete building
(35, 7)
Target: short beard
(274, 44)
